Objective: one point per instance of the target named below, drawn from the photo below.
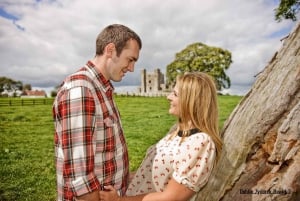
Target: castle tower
(151, 82)
(143, 81)
(156, 80)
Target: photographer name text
(263, 192)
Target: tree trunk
(260, 159)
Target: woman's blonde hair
(198, 104)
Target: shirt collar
(99, 76)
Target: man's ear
(109, 48)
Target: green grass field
(27, 170)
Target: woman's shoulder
(203, 135)
(200, 138)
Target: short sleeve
(194, 161)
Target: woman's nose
(169, 96)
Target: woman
(179, 165)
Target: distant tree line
(10, 85)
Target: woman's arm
(173, 192)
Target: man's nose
(131, 67)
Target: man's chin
(117, 79)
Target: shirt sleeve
(194, 161)
(77, 109)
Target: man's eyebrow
(133, 58)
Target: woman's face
(174, 101)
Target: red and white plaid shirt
(90, 147)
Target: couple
(90, 148)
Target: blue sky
(43, 41)
(6, 15)
(11, 17)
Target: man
(90, 147)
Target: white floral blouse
(189, 163)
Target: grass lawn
(27, 169)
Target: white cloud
(59, 36)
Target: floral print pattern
(189, 163)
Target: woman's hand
(110, 194)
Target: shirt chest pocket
(107, 133)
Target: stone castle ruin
(153, 83)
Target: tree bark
(260, 159)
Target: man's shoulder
(81, 74)
(80, 78)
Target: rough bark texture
(260, 159)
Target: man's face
(119, 66)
